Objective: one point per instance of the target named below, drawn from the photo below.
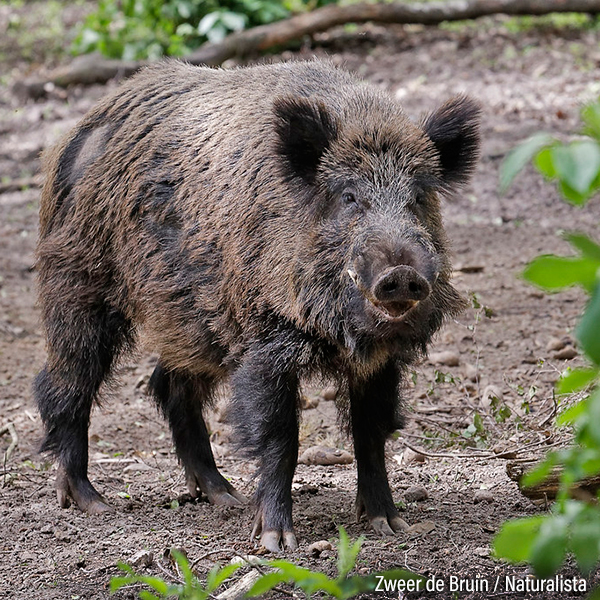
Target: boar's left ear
(305, 128)
(454, 129)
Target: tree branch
(94, 69)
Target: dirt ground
(526, 80)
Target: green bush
(140, 29)
(573, 525)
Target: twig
(211, 552)
(168, 573)
(552, 413)
(251, 564)
(10, 428)
(445, 454)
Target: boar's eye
(349, 198)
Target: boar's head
(373, 269)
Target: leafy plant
(573, 525)
(140, 29)
(191, 589)
(341, 587)
(310, 582)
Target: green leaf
(590, 466)
(544, 164)
(208, 22)
(478, 423)
(540, 472)
(588, 329)
(184, 566)
(266, 583)
(291, 570)
(516, 538)
(576, 380)
(155, 583)
(552, 272)
(185, 10)
(347, 553)
(146, 595)
(216, 33)
(233, 21)
(520, 156)
(572, 414)
(305, 579)
(550, 546)
(577, 164)
(584, 244)
(591, 117)
(573, 196)
(593, 424)
(218, 575)
(117, 583)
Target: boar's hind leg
(82, 344)
(181, 397)
(374, 406)
(265, 412)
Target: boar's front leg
(265, 412)
(374, 406)
(182, 397)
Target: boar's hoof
(82, 493)
(273, 539)
(220, 494)
(384, 526)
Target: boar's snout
(398, 290)
(393, 276)
(401, 284)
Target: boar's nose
(401, 284)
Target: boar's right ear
(305, 129)
(454, 129)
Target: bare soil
(527, 81)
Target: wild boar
(261, 225)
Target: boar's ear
(305, 128)
(454, 129)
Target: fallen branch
(239, 589)
(95, 69)
(432, 13)
(586, 489)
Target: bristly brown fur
(220, 213)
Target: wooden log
(95, 69)
(586, 489)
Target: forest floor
(497, 398)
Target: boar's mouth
(390, 311)
(393, 311)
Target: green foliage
(191, 589)
(551, 22)
(140, 29)
(573, 526)
(308, 581)
(341, 587)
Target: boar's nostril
(389, 287)
(400, 284)
(414, 287)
